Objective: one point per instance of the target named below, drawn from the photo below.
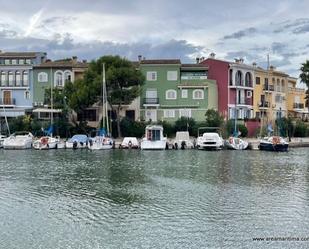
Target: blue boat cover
(79, 138)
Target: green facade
(189, 78)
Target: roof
(160, 62)
(63, 64)
(19, 54)
(195, 66)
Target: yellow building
(270, 94)
(296, 100)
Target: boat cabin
(154, 132)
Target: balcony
(7, 102)
(244, 102)
(242, 85)
(268, 88)
(151, 101)
(298, 106)
(264, 105)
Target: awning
(47, 110)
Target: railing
(264, 104)
(151, 100)
(268, 88)
(7, 101)
(243, 84)
(244, 102)
(298, 106)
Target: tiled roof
(160, 62)
(195, 65)
(18, 54)
(63, 64)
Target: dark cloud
(6, 33)
(278, 47)
(240, 34)
(297, 26)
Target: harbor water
(153, 199)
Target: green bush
(230, 126)
(185, 124)
(301, 129)
(131, 128)
(168, 128)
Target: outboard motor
(130, 144)
(90, 142)
(75, 143)
(166, 146)
(176, 146)
(183, 145)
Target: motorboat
(210, 141)
(2, 137)
(129, 143)
(78, 141)
(61, 144)
(46, 143)
(154, 139)
(182, 141)
(100, 143)
(18, 140)
(235, 143)
(273, 143)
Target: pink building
(235, 86)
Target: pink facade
(219, 71)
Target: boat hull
(17, 146)
(274, 147)
(153, 145)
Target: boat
(274, 143)
(154, 139)
(78, 141)
(18, 140)
(103, 140)
(2, 137)
(182, 141)
(235, 143)
(46, 143)
(209, 140)
(129, 143)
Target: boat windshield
(153, 135)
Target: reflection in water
(146, 199)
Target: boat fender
(75, 145)
(114, 144)
(183, 145)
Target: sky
(160, 29)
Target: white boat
(210, 141)
(19, 140)
(154, 139)
(79, 141)
(100, 143)
(182, 140)
(129, 143)
(2, 137)
(235, 143)
(61, 144)
(46, 143)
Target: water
(145, 199)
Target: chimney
(74, 59)
(271, 68)
(197, 60)
(84, 61)
(236, 60)
(212, 55)
(241, 60)
(254, 64)
(139, 58)
(202, 59)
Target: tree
(123, 85)
(304, 76)
(213, 118)
(185, 124)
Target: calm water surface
(145, 199)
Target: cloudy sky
(160, 29)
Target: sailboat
(102, 141)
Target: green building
(173, 90)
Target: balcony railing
(7, 101)
(268, 88)
(244, 102)
(151, 101)
(298, 106)
(264, 104)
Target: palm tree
(304, 76)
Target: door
(151, 96)
(7, 98)
(151, 115)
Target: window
(11, 78)
(3, 79)
(171, 94)
(258, 80)
(169, 113)
(7, 62)
(14, 62)
(282, 86)
(59, 79)
(17, 78)
(21, 61)
(248, 79)
(28, 61)
(249, 94)
(27, 95)
(25, 78)
(185, 113)
(42, 77)
(184, 93)
(130, 114)
(172, 75)
(278, 89)
(266, 81)
(151, 76)
(238, 78)
(231, 77)
(198, 94)
(67, 76)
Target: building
(235, 86)
(296, 100)
(270, 94)
(16, 81)
(173, 90)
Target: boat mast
(263, 102)
(6, 120)
(51, 105)
(103, 110)
(235, 124)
